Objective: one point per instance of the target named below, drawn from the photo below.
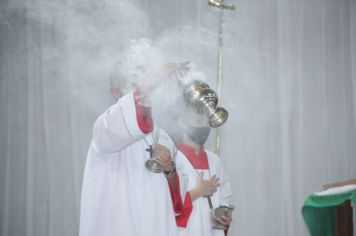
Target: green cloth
(318, 211)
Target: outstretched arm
(122, 124)
(128, 120)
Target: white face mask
(198, 135)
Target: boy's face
(195, 120)
(196, 127)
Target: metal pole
(222, 6)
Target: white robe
(119, 195)
(199, 222)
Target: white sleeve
(117, 127)
(225, 188)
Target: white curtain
(289, 84)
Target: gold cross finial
(221, 4)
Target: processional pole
(222, 6)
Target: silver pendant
(153, 165)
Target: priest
(120, 196)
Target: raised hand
(167, 71)
(204, 187)
(170, 68)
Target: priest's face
(118, 90)
(115, 93)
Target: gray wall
(289, 85)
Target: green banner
(318, 211)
